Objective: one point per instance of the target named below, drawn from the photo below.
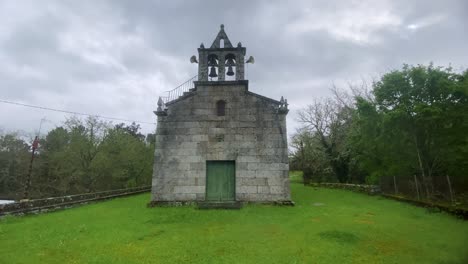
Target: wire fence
(441, 189)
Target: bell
(213, 72)
(230, 72)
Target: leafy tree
(410, 129)
(83, 155)
(14, 161)
(425, 108)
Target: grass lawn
(325, 226)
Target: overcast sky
(114, 58)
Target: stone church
(217, 142)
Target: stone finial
(222, 26)
(162, 109)
(283, 106)
(160, 104)
(202, 46)
(239, 45)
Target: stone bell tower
(217, 143)
(221, 60)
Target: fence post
(417, 188)
(450, 188)
(395, 185)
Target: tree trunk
(395, 185)
(304, 176)
(421, 167)
(450, 189)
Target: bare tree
(329, 120)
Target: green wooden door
(220, 181)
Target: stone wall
(252, 133)
(364, 188)
(54, 203)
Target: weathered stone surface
(252, 133)
(63, 202)
(369, 189)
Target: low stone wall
(54, 203)
(374, 189)
(459, 212)
(363, 188)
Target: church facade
(217, 141)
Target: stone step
(192, 90)
(219, 205)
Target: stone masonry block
(242, 165)
(246, 173)
(197, 166)
(189, 189)
(277, 181)
(185, 197)
(246, 189)
(252, 181)
(263, 189)
(247, 159)
(269, 174)
(276, 189)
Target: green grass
(295, 177)
(325, 226)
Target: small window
(221, 108)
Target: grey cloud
(115, 57)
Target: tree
(329, 120)
(83, 155)
(426, 109)
(407, 133)
(310, 157)
(14, 161)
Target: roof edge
(264, 98)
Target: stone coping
(54, 203)
(364, 188)
(221, 83)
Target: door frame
(206, 178)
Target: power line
(74, 113)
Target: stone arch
(213, 67)
(230, 63)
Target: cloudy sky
(114, 58)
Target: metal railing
(179, 90)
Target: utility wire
(74, 113)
